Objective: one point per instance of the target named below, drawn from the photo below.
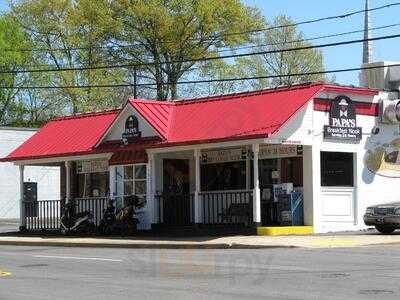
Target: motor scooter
(73, 222)
(107, 224)
(126, 218)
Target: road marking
(78, 258)
(4, 273)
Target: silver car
(385, 217)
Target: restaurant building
(224, 161)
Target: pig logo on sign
(342, 113)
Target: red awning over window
(128, 157)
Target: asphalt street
(92, 273)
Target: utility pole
(367, 57)
(135, 82)
(367, 51)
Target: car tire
(385, 229)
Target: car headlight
(397, 211)
(370, 211)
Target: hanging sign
(342, 121)
(221, 156)
(132, 131)
(92, 166)
(280, 151)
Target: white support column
(197, 203)
(21, 193)
(67, 180)
(150, 179)
(248, 169)
(156, 210)
(316, 187)
(112, 182)
(256, 189)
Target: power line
(122, 85)
(308, 39)
(271, 44)
(341, 16)
(83, 68)
(275, 44)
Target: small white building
(46, 179)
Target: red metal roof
(156, 112)
(227, 117)
(66, 136)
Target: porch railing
(227, 207)
(43, 214)
(175, 209)
(94, 205)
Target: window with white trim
(131, 180)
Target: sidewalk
(9, 225)
(230, 242)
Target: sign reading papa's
(342, 121)
(132, 131)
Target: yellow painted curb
(285, 230)
(4, 273)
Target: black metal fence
(228, 208)
(175, 209)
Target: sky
(3, 5)
(337, 57)
(343, 56)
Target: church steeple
(367, 51)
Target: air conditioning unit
(389, 111)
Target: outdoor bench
(241, 211)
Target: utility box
(290, 209)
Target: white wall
(48, 178)
(337, 209)
(297, 130)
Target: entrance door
(292, 170)
(30, 195)
(176, 192)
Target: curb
(173, 245)
(144, 245)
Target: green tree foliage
(293, 62)
(108, 32)
(284, 36)
(156, 37)
(73, 32)
(11, 37)
(165, 32)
